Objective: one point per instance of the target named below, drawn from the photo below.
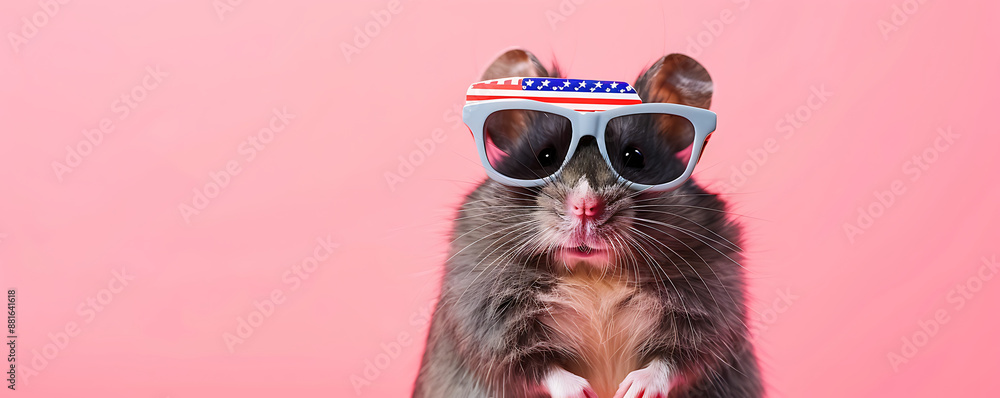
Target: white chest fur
(604, 320)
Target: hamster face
(587, 216)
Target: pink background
(831, 308)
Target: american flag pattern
(577, 94)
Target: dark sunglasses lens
(649, 148)
(526, 145)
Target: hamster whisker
(671, 195)
(501, 207)
(700, 238)
(695, 236)
(632, 262)
(450, 221)
(519, 192)
(487, 235)
(651, 261)
(646, 237)
(695, 270)
(483, 270)
(727, 244)
(512, 252)
(626, 250)
(525, 199)
(699, 208)
(455, 240)
(732, 246)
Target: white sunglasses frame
(589, 124)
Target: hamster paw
(652, 381)
(560, 383)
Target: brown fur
(603, 318)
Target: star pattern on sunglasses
(584, 95)
(555, 84)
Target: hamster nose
(586, 206)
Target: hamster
(583, 287)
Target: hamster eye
(547, 157)
(633, 158)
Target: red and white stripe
(581, 101)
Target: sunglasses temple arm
(703, 146)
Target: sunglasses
(527, 130)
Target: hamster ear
(505, 127)
(678, 79)
(515, 63)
